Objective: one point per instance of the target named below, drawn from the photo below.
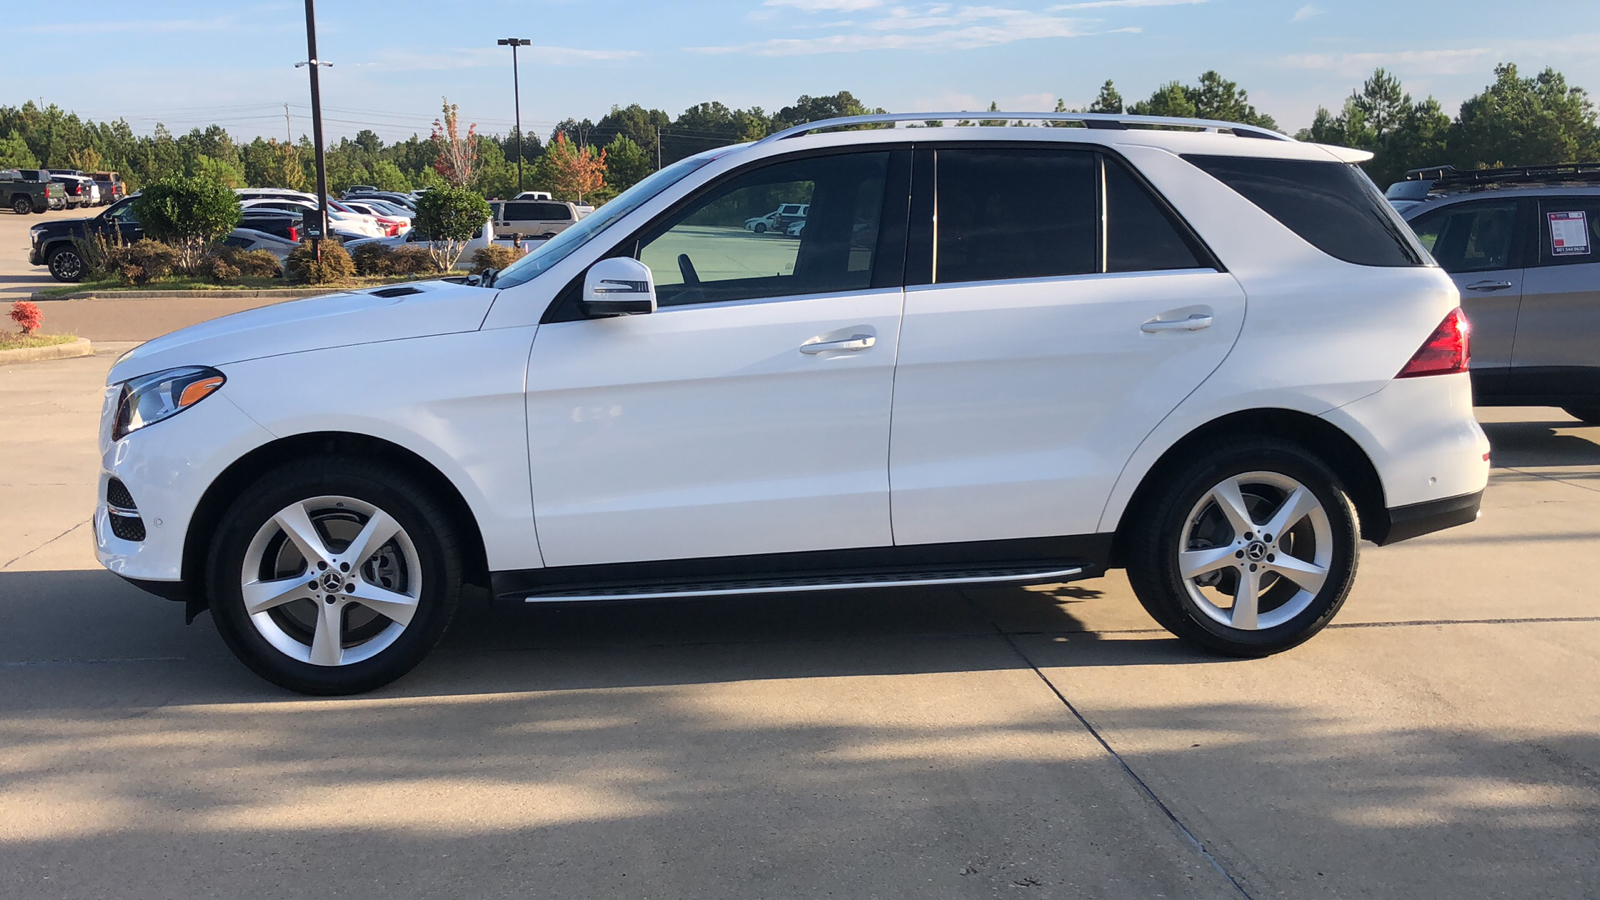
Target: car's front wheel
(1248, 549)
(1589, 416)
(66, 264)
(334, 575)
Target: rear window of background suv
(1332, 205)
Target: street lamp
(316, 124)
(516, 95)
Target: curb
(280, 294)
(79, 347)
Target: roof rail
(1089, 120)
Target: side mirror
(620, 286)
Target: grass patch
(24, 341)
(243, 284)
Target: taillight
(1446, 351)
(294, 234)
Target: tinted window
(1332, 205)
(530, 211)
(1022, 213)
(1476, 237)
(1141, 235)
(1569, 231)
(705, 253)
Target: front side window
(1331, 205)
(708, 252)
(1015, 213)
(1475, 237)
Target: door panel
(1481, 245)
(706, 430)
(1558, 335)
(1017, 403)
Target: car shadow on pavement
(1533, 444)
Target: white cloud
(1310, 10)
(826, 5)
(480, 57)
(1124, 4)
(933, 27)
(1420, 62)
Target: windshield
(562, 245)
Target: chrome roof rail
(1089, 120)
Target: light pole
(316, 123)
(516, 96)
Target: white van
(534, 218)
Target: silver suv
(1523, 245)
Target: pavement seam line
(1139, 783)
(1552, 478)
(58, 537)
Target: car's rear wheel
(66, 264)
(1587, 415)
(1248, 550)
(21, 206)
(334, 576)
(760, 228)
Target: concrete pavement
(1439, 741)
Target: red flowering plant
(27, 315)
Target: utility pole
(516, 97)
(288, 129)
(658, 148)
(316, 123)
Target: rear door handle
(1194, 323)
(855, 342)
(1489, 286)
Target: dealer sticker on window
(1569, 233)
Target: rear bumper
(1407, 522)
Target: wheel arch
(1318, 436)
(243, 471)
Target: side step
(844, 581)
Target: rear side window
(526, 210)
(1332, 205)
(1569, 231)
(1015, 213)
(1141, 235)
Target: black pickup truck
(55, 243)
(30, 190)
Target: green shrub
(373, 258)
(147, 260)
(336, 266)
(493, 256)
(224, 264)
(103, 253)
(448, 217)
(187, 213)
(409, 260)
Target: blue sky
(193, 63)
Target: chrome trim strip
(1102, 120)
(797, 588)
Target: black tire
(66, 264)
(21, 205)
(1161, 526)
(422, 517)
(1589, 416)
(760, 228)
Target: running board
(855, 581)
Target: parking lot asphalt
(1440, 740)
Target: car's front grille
(126, 523)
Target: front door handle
(1194, 323)
(855, 342)
(1490, 286)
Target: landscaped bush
(336, 266)
(409, 260)
(27, 315)
(104, 253)
(224, 264)
(494, 256)
(187, 212)
(373, 258)
(146, 260)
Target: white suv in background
(1213, 356)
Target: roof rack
(1088, 120)
(1444, 177)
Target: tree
(1214, 97)
(447, 217)
(187, 212)
(87, 159)
(457, 155)
(1525, 121)
(1108, 101)
(627, 163)
(386, 176)
(571, 172)
(14, 153)
(224, 173)
(1170, 99)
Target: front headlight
(148, 399)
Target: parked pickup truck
(55, 243)
(23, 194)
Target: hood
(390, 313)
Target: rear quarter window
(1332, 205)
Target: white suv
(1212, 356)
